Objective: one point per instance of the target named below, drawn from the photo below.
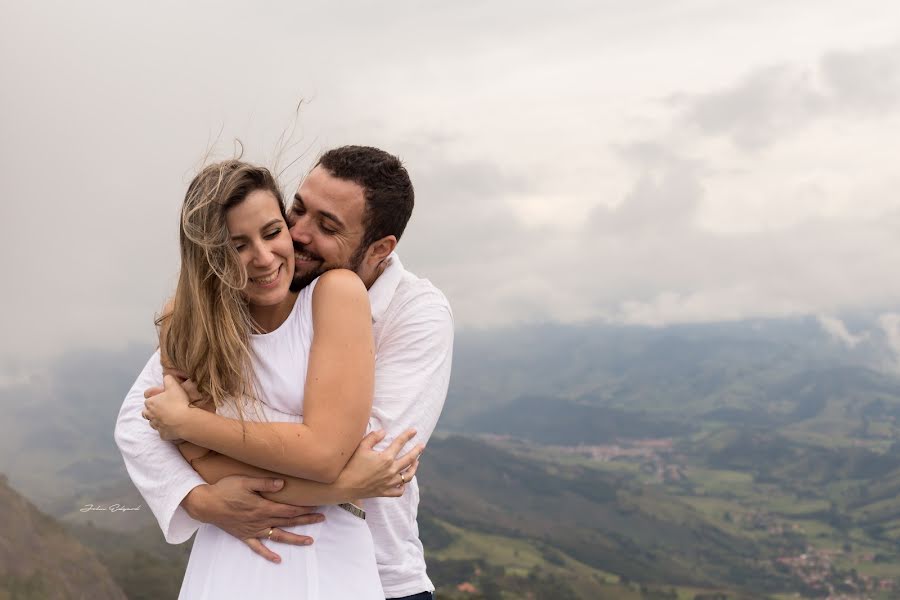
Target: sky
(649, 162)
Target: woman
(244, 340)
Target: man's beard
(301, 281)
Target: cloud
(15, 380)
(890, 325)
(865, 81)
(729, 304)
(777, 101)
(646, 260)
(839, 332)
(666, 194)
(762, 107)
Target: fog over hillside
(59, 417)
(692, 456)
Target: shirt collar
(382, 291)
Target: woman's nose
(262, 255)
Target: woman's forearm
(294, 449)
(213, 466)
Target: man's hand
(235, 506)
(167, 411)
(371, 474)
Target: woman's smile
(268, 280)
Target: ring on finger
(402, 479)
(269, 535)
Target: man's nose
(300, 230)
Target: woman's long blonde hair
(205, 330)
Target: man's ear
(381, 249)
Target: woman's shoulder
(339, 289)
(339, 283)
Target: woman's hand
(371, 474)
(190, 388)
(197, 399)
(167, 411)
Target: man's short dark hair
(388, 190)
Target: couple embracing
(300, 371)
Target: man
(349, 212)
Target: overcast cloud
(647, 163)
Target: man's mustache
(298, 247)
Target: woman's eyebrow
(270, 223)
(241, 236)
